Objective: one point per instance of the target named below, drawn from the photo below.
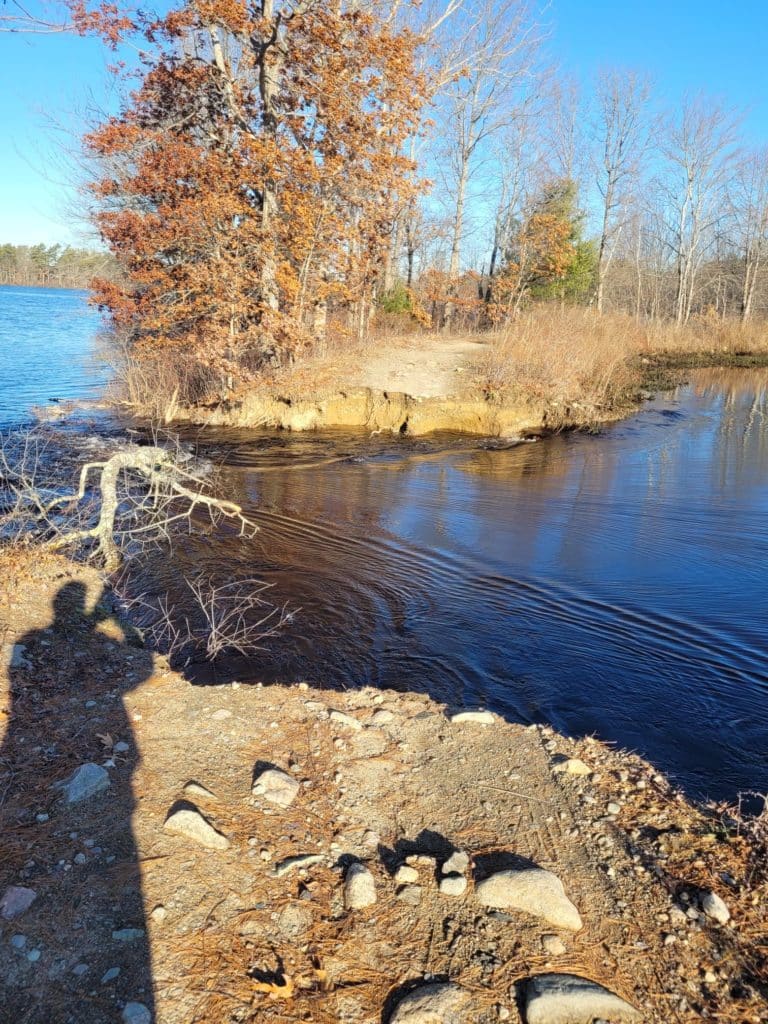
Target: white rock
(347, 720)
(359, 888)
(478, 717)
(276, 786)
(189, 823)
(159, 914)
(456, 864)
(305, 860)
(714, 907)
(136, 1013)
(382, 717)
(453, 885)
(196, 790)
(405, 873)
(532, 890)
(86, 781)
(410, 894)
(221, 714)
(443, 1003)
(553, 945)
(572, 766)
(16, 899)
(569, 999)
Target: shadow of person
(79, 952)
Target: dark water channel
(613, 585)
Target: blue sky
(48, 83)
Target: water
(47, 343)
(612, 585)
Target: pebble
(80, 858)
(453, 885)
(477, 717)
(567, 998)
(276, 786)
(410, 894)
(714, 907)
(110, 975)
(80, 969)
(359, 888)
(159, 914)
(553, 945)
(572, 766)
(189, 823)
(121, 747)
(136, 1013)
(128, 934)
(613, 808)
(533, 890)
(16, 900)
(85, 782)
(196, 790)
(221, 714)
(34, 955)
(456, 864)
(19, 941)
(382, 717)
(371, 838)
(306, 860)
(19, 657)
(405, 873)
(346, 720)
(442, 1003)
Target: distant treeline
(53, 266)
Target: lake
(613, 585)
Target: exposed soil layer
(202, 935)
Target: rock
(304, 860)
(294, 921)
(19, 657)
(382, 717)
(478, 717)
(196, 790)
(442, 1003)
(553, 945)
(371, 838)
(85, 782)
(159, 914)
(613, 808)
(714, 907)
(16, 899)
(346, 720)
(128, 934)
(221, 714)
(110, 975)
(572, 766)
(136, 1013)
(19, 941)
(34, 955)
(80, 969)
(189, 823)
(453, 885)
(276, 786)
(121, 747)
(359, 888)
(456, 864)
(410, 894)
(405, 873)
(532, 890)
(569, 999)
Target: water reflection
(610, 585)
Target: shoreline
(389, 780)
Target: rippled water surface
(47, 340)
(613, 585)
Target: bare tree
(621, 135)
(749, 216)
(699, 149)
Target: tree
(749, 206)
(621, 133)
(246, 181)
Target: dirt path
(433, 366)
(126, 914)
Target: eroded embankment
(500, 859)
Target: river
(611, 585)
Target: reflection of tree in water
(81, 859)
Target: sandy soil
(433, 366)
(212, 936)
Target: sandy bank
(125, 912)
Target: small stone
(714, 907)
(410, 894)
(572, 766)
(453, 885)
(476, 717)
(613, 808)
(128, 934)
(19, 941)
(306, 860)
(382, 717)
(194, 789)
(121, 747)
(670, 939)
(710, 977)
(677, 917)
(221, 714)
(159, 914)
(16, 900)
(34, 955)
(359, 888)
(136, 1013)
(532, 890)
(277, 787)
(405, 873)
(346, 720)
(110, 975)
(456, 864)
(553, 945)
(442, 1003)
(80, 969)
(371, 838)
(19, 657)
(85, 782)
(80, 858)
(569, 999)
(189, 823)
(421, 860)
(42, 818)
